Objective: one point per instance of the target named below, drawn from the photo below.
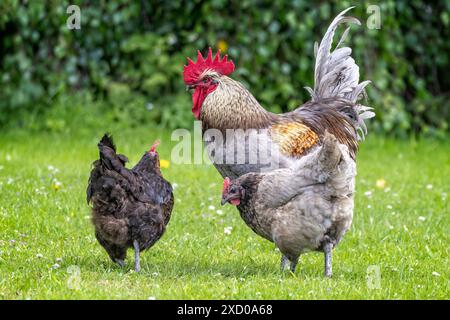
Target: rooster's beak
(189, 87)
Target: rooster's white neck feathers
(231, 106)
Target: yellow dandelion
(381, 183)
(163, 163)
(56, 185)
(222, 45)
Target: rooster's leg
(327, 248)
(137, 264)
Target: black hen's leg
(115, 252)
(137, 263)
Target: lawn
(48, 249)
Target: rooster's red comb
(193, 70)
(226, 184)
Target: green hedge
(131, 54)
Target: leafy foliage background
(125, 64)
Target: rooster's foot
(137, 263)
(327, 248)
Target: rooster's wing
(293, 138)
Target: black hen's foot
(120, 262)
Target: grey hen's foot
(287, 264)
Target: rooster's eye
(205, 80)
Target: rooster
(222, 103)
(312, 208)
(131, 208)
(231, 116)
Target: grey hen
(306, 207)
(131, 208)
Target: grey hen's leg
(286, 263)
(137, 263)
(327, 249)
(293, 265)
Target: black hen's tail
(108, 156)
(107, 141)
(108, 170)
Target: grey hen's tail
(324, 163)
(329, 157)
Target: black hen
(131, 208)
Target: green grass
(401, 229)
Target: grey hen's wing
(317, 168)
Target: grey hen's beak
(225, 200)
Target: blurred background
(125, 63)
